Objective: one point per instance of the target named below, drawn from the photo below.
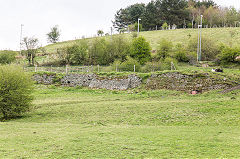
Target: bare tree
(31, 46)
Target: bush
(118, 48)
(98, 53)
(165, 26)
(167, 64)
(229, 55)
(141, 50)
(78, 53)
(128, 65)
(164, 49)
(7, 57)
(152, 67)
(180, 54)
(15, 92)
(209, 48)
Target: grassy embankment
(228, 36)
(83, 123)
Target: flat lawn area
(83, 123)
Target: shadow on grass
(7, 119)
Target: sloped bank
(201, 82)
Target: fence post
(66, 69)
(134, 68)
(35, 68)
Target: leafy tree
(121, 20)
(150, 16)
(141, 50)
(31, 46)
(205, 3)
(15, 92)
(100, 33)
(54, 35)
(125, 17)
(232, 16)
(174, 11)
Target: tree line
(180, 13)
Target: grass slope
(82, 123)
(229, 36)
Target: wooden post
(66, 69)
(35, 68)
(134, 68)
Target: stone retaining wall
(171, 80)
(92, 81)
(181, 82)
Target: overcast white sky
(75, 18)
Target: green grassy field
(83, 123)
(228, 36)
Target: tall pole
(138, 25)
(200, 48)
(111, 32)
(21, 38)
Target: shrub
(7, 57)
(165, 26)
(128, 65)
(15, 91)
(190, 25)
(118, 48)
(192, 56)
(98, 53)
(180, 54)
(229, 55)
(164, 49)
(78, 53)
(141, 50)
(152, 67)
(167, 64)
(209, 48)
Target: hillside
(229, 36)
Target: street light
(138, 24)
(199, 49)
